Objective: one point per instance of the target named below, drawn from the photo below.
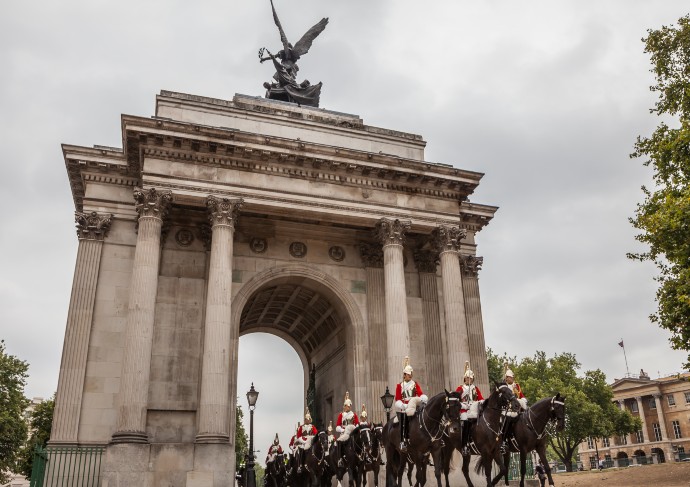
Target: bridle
(501, 417)
(544, 431)
(443, 423)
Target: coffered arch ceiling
(302, 311)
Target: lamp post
(252, 396)
(387, 401)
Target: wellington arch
(219, 218)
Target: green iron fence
(514, 469)
(67, 466)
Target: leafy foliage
(40, 424)
(13, 430)
(495, 365)
(241, 438)
(590, 410)
(664, 216)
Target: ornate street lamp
(387, 401)
(252, 396)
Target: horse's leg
(401, 471)
(498, 458)
(523, 467)
(506, 462)
(541, 451)
(410, 466)
(421, 473)
(466, 469)
(438, 466)
(446, 457)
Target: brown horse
(426, 430)
(530, 432)
(485, 437)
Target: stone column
(645, 433)
(92, 228)
(218, 332)
(621, 405)
(427, 261)
(662, 420)
(471, 266)
(447, 240)
(372, 258)
(152, 207)
(391, 234)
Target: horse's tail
(479, 467)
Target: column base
(212, 438)
(214, 466)
(129, 437)
(127, 465)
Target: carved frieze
(447, 238)
(392, 232)
(92, 225)
(184, 237)
(371, 254)
(152, 202)
(426, 260)
(298, 249)
(223, 211)
(337, 253)
(471, 265)
(258, 245)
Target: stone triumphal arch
(218, 218)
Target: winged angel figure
(286, 87)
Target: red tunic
(517, 390)
(478, 394)
(275, 449)
(306, 430)
(417, 391)
(355, 419)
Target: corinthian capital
(223, 211)
(471, 265)
(151, 202)
(392, 231)
(426, 260)
(447, 238)
(371, 254)
(92, 225)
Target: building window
(590, 443)
(606, 442)
(623, 440)
(657, 431)
(687, 398)
(633, 407)
(681, 450)
(676, 429)
(593, 463)
(652, 403)
(671, 400)
(640, 436)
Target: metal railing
(70, 466)
(514, 469)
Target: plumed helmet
(276, 440)
(364, 412)
(407, 368)
(347, 401)
(468, 371)
(330, 427)
(507, 372)
(307, 417)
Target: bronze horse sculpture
(530, 432)
(426, 430)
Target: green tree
(664, 216)
(241, 438)
(40, 424)
(495, 365)
(13, 374)
(590, 410)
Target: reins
(546, 423)
(442, 424)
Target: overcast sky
(545, 98)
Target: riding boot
(464, 439)
(402, 420)
(298, 457)
(339, 447)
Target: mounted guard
(347, 421)
(363, 417)
(511, 413)
(470, 396)
(274, 450)
(408, 395)
(331, 437)
(303, 439)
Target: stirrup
(465, 451)
(403, 446)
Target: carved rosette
(92, 225)
(392, 232)
(371, 254)
(471, 265)
(152, 203)
(447, 238)
(426, 260)
(223, 211)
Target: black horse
(276, 472)
(530, 433)
(374, 462)
(426, 432)
(485, 437)
(356, 451)
(315, 461)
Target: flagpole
(622, 344)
